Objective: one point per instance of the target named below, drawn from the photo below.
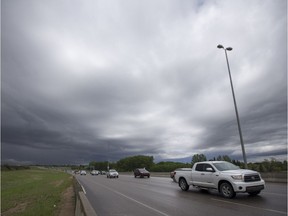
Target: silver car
(112, 173)
(95, 172)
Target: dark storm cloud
(100, 80)
(267, 124)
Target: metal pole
(237, 115)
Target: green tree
(237, 163)
(224, 158)
(198, 158)
(262, 168)
(284, 166)
(168, 166)
(131, 163)
(98, 165)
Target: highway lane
(160, 196)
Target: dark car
(141, 172)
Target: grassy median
(35, 191)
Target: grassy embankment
(33, 191)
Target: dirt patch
(57, 183)
(67, 207)
(17, 209)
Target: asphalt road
(155, 196)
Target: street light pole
(235, 105)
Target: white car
(112, 173)
(95, 172)
(83, 172)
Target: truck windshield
(225, 166)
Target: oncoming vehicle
(95, 172)
(76, 172)
(112, 173)
(82, 172)
(223, 176)
(141, 172)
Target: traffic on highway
(128, 195)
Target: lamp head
(220, 46)
(229, 48)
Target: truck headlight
(237, 177)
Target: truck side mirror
(209, 169)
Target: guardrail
(277, 177)
(83, 206)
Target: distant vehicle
(95, 172)
(141, 172)
(76, 171)
(225, 177)
(82, 172)
(103, 172)
(112, 173)
(172, 174)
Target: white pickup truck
(223, 176)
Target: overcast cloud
(103, 80)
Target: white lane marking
(271, 210)
(83, 189)
(162, 213)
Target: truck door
(197, 175)
(203, 175)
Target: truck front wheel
(183, 184)
(227, 190)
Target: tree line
(128, 164)
(271, 165)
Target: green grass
(32, 192)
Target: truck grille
(252, 178)
(254, 188)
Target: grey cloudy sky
(103, 80)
